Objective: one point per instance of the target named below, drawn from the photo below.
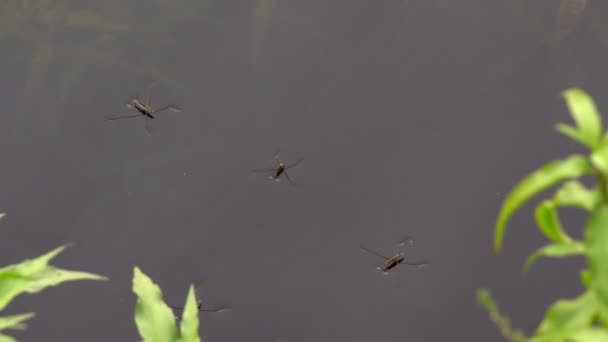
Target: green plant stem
(603, 184)
(504, 324)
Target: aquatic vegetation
(37, 28)
(262, 16)
(570, 15)
(32, 276)
(484, 298)
(584, 318)
(57, 43)
(155, 319)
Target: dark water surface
(414, 118)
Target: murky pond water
(412, 117)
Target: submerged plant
(584, 318)
(32, 276)
(154, 318)
(262, 16)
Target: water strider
(144, 109)
(395, 260)
(281, 168)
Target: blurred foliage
(32, 276)
(568, 16)
(262, 16)
(36, 30)
(484, 298)
(549, 26)
(584, 318)
(59, 41)
(155, 319)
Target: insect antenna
(277, 152)
(373, 252)
(404, 244)
(150, 92)
(298, 162)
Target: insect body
(280, 168)
(395, 260)
(143, 109)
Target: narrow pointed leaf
(549, 223)
(596, 240)
(599, 158)
(556, 250)
(566, 316)
(548, 175)
(34, 275)
(154, 319)
(484, 298)
(572, 133)
(575, 194)
(15, 321)
(189, 322)
(585, 114)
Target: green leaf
(596, 240)
(2, 215)
(566, 316)
(484, 298)
(4, 338)
(575, 194)
(189, 324)
(556, 250)
(572, 133)
(586, 278)
(585, 114)
(14, 322)
(599, 157)
(589, 335)
(155, 320)
(549, 223)
(548, 175)
(34, 275)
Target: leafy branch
(155, 320)
(32, 276)
(584, 318)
